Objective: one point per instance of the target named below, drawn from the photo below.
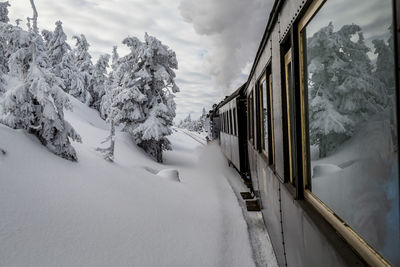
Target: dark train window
(230, 121)
(266, 121)
(234, 122)
(223, 122)
(289, 119)
(271, 117)
(251, 117)
(226, 123)
(264, 114)
(347, 73)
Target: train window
(230, 121)
(228, 129)
(271, 118)
(225, 123)
(234, 122)
(349, 117)
(289, 110)
(221, 125)
(221, 121)
(251, 117)
(265, 93)
(264, 114)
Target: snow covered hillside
(54, 212)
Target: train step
(246, 195)
(252, 205)
(248, 183)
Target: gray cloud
(212, 49)
(233, 29)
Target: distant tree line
(194, 125)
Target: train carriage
(233, 133)
(322, 131)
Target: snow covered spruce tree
(144, 100)
(3, 44)
(57, 47)
(113, 81)
(4, 12)
(37, 103)
(384, 72)
(83, 61)
(342, 89)
(72, 77)
(47, 36)
(100, 80)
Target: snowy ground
(93, 213)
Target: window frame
(271, 112)
(350, 236)
(250, 108)
(269, 154)
(288, 73)
(261, 116)
(234, 121)
(230, 121)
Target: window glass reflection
(264, 114)
(352, 118)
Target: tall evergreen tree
(143, 99)
(100, 80)
(4, 12)
(385, 73)
(38, 104)
(47, 36)
(57, 46)
(113, 81)
(84, 63)
(72, 77)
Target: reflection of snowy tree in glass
(385, 74)
(342, 89)
(265, 114)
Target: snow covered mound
(170, 174)
(54, 212)
(324, 169)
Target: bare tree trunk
(34, 18)
(112, 143)
(108, 153)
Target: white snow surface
(54, 212)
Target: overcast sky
(215, 40)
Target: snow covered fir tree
(143, 94)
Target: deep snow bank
(94, 213)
